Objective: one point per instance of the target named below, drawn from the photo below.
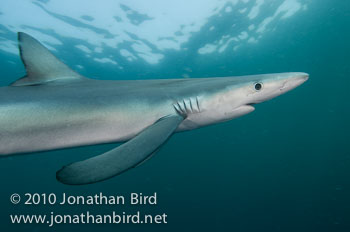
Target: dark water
(285, 167)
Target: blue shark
(53, 107)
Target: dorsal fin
(41, 65)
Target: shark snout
(293, 81)
(279, 84)
(301, 78)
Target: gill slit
(187, 106)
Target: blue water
(284, 167)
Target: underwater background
(284, 167)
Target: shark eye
(258, 86)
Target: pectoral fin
(122, 158)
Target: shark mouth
(251, 105)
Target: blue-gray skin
(53, 107)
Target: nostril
(283, 86)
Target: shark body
(53, 107)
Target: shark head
(233, 97)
